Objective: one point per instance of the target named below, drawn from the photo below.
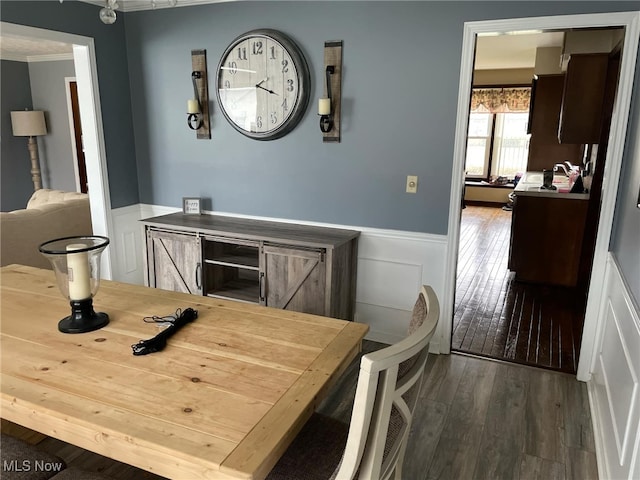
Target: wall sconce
(29, 123)
(194, 110)
(198, 107)
(329, 107)
(324, 104)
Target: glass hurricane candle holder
(76, 263)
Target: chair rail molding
(392, 267)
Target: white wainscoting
(614, 388)
(392, 265)
(128, 243)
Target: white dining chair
(372, 446)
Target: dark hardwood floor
(498, 317)
(475, 419)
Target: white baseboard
(392, 266)
(614, 388)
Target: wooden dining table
(223, 400)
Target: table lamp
(76, 263)
(28, 123)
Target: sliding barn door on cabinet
(176, 261)
(295, 279)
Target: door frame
(84, 58)
(72, 130)
(617, 135)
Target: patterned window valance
(500, 100)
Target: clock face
(263, 84)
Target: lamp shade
(28, 123)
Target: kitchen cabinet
(581, 114)
(174, 261)
(546, 238)
(296, 267)
(544, 118)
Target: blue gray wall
(48, 91)
(400, 87)
(15, 165)
(625, 243)
(113, 77)
(401, 73)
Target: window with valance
(497, 140)
(500, 100)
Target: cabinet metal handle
(199, 276)
(262, 287)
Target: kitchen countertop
(531, 182)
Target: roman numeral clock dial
(263, 84)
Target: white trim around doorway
(631, 22)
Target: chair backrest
(386, 394)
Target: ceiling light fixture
(108, 12)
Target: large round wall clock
(263, 84)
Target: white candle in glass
(324, 106)
(192, 106)
(78, 272)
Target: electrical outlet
(412, 183)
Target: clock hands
(266, 89)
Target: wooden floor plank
(459, 445)
(581, 465)
(442, 378)
(427, 426)
(544, 421)
(534, 468)
(578, 426)
(503, 434)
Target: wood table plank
(223, 400)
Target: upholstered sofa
(49, 214)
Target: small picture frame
(192, 205)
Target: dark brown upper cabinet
(544, 117)
(582, 99)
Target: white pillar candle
(192, 106)
(78, 272)
(324, 106)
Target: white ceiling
(513, 51)
(22, 49)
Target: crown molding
(140, 5)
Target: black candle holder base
(83, 318)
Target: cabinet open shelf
(223, 253)
(242, 289)
(232, 270)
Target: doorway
(93, 136)
(631, 23)
(506, 308)
(75, 129)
